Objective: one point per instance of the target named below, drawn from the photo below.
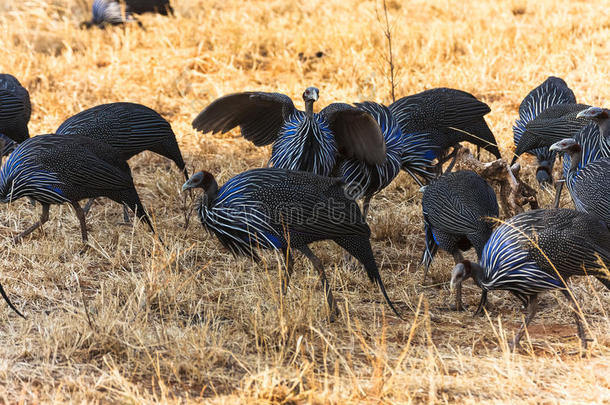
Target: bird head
(461, 271)
(568, 145)
(311, 94)
(596, 114)
(200, 179)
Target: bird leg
(458, 258)
(482, 304)
(577, 318)
(80, 214)
(126, 215)
(453, 155)
(532, 308)
(44, 217)
(186, 209)
(426, 268)
(88, 205)
(317, 264)
(558, 190)
(288, 267)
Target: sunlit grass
(129, 321)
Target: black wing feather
(357, 133)
(260, 115)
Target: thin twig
(387, 32)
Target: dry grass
(192, 324)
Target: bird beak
(186, 186)
(453, 284)
(457, 276)
(584, 114)
(590, 113)
(555, 147)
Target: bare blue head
(568, 145)
(311, 94)
(596, 114)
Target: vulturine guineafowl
(601, 118)
(285, 210)
(55, 169)
(447, 117)
(7, 145)
(15, 109)
(588, 180)
(162, 7)
(539, 250)
(552, 91)
(302, 140)
(115, 12)
(109, 12)
(129, 128)
(407, 151)
(591, 149)
(555, 123)
(457, 208)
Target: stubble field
(130, 321)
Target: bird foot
(333, 315)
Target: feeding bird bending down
(55, 169)
(129, 128)
(285, 210)
(552, 91)
(537, 251)
(457, 208)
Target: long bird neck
(309, 108)
(477, 272)
(575, 157)
(211, 191)
(604, 128)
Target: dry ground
(128, 321)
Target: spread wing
(357, 133)
(259, 115)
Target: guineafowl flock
(323, 164)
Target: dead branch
(514, 193)
(387, 32)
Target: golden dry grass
(193, 324)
